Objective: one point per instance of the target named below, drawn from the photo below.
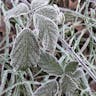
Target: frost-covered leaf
(48, 32)
(80, 77)
(48, 89)
(25, 50)
(35, 4)
(69, 17)
(49, 64)
(71, 67)
(48, 11)
(18, 10)
(78, 73)
(68, 85)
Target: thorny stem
(81, 61)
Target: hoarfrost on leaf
(35, 4)
(48, 11)
(16, 11)
(49, 64)
(71, 67)
(48, 89)
(25, 50)
(48, 32)
(68, 85)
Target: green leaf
(80, 77)
(25, 50)
(36, 4)
(48, 11)
(48, 89)
(68, 85)
(48, 32)
(78, 73)
(49, 64)
(18, 10)
(71, 67)
(69, 17)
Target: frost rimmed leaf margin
(48, 89)
(16, 11)
(68, 85)
(49, 64)
(48, 32)
(48, 11)
(25, 50)
(35, 4)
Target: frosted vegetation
(46, 58)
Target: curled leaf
(25, 50)
(18, 10)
